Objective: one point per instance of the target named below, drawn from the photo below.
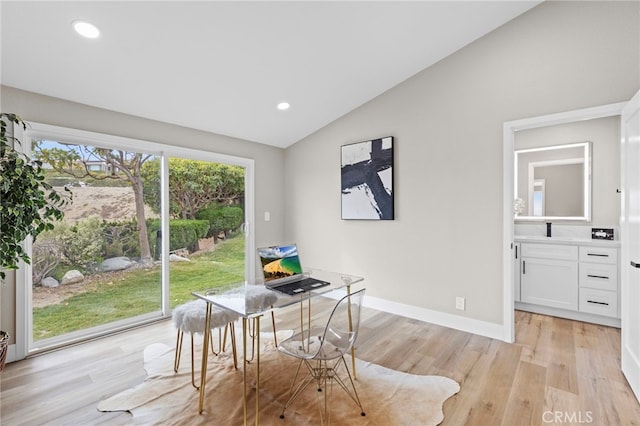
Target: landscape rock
(71, 277)
(176, 258)
(116, 264)
(50, 282)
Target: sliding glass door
(143, 229)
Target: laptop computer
(282, 270)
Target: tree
(28, 204)
(193, 185)
(75, 160)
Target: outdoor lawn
(113, 297)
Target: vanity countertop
(566, 240)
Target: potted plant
(28, 204)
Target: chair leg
(220, 344)
(353, 393)
(320, 374)
(273, 324)
(176, 360)
(252, 335)
(232, 330)
(295, 391)
(193, 374)
(224, 338)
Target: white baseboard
(469, 325)
(11, 353)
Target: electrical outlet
(267, 216)
(460, 303)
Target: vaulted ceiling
(224, 66)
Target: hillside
(108, 203)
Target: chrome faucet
(548, 229)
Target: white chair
(190, 317)
(322, 348)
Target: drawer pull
(635, 265)
(598, 276)
(597, 303)
(597, 254)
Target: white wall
(446, 240)
(269, 161)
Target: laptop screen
(279, 262)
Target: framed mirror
(553, 182)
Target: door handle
(635, 265)
(524, 267)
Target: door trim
(509, 130)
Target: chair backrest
(344, 323)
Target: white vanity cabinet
(549, 275)
(599, 280)
(572, 278)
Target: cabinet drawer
(599, 255)
(599, 302)
(598, 276)
(550, 251)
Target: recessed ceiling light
(283, 106)
(86, 29)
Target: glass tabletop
(249, 299)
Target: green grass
(138, 292)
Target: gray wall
(269, 161)
(446, 240)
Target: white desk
(251, 302)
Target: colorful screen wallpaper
(279, 261)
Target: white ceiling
(223, 66)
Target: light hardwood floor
(558, 372)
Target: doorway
(509, 136)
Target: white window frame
(24, 335)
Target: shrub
(79, 246)
(46, 256)
(121, 239)
(182, 233)
(221, 218)
(81, 243)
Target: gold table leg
(353, 348)
(258, 370)
(205, 353)
(244, 368)
(245, 323)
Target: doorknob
(635, 265)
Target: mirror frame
(586, 181)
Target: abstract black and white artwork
(367, 180)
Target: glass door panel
(207, 210)
(97, 267)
